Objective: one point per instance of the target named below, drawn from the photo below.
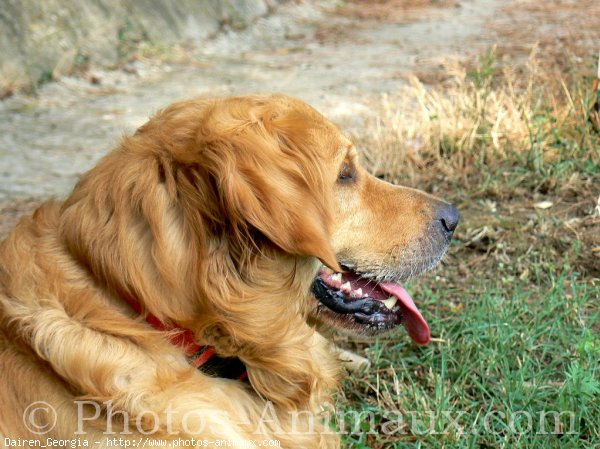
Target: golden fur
(215, 215)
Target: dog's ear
(263, 184)
(285, 212)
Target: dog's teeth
(346, 287)
(337, 277)
(390, 302)
(358, 292)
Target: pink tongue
(415, 324)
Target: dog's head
(259, 187)
(383, 235)
(287, 172)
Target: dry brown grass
(499, 140)
(491, 117)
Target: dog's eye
(347, 173)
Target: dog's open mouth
(377, 305)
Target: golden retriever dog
(240, 224)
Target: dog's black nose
(448, 216)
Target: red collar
(203, 357)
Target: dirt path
(337, 62)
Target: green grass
(514, 310)
(498, 352)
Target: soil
(338, 58)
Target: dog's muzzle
(378, 305)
